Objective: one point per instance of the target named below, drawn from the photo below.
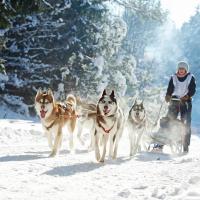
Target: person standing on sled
(181, 86)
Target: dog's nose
(105, 107)
(42, 106)
(137, 113)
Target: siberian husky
(55, 116)
(109, 125)
(136, 126)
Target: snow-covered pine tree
(190, 42)
(61, 45)
(130, 73)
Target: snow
(3, 79)
(121, 80)
(28, 173)
(99, 63)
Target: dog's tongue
(106, 111)
(42, 113)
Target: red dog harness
(107, 131)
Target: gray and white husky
(136, 126)
(109, 125)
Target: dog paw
(52, 154)
(97, 158)
(97, 155)
(101, 160)
(114, 157)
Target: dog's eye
(110, 102)
(46, 102)
(103, 101)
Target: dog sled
(172, 130)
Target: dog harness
(59, 113)
(107, 131)
(50, 126)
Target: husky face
(138, 111)
(44, 103)
(107, 104)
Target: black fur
(112, 96)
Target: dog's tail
(85, 105)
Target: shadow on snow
(20, 158)
(73, 169)
(83, 167)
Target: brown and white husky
(55, 116)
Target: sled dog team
(107, 118)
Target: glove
(167, 98)
(185, 98)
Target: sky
(180, 11)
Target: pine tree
(190, 41)
(142, 19)
(58, 46)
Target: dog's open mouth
(43, 113)
(106, 111)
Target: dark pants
(185, 110)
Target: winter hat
(184, 65)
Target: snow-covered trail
(26, 172)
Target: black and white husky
(109, 125)
(136, 126)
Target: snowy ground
(26, 172)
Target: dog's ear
(135, 102)
(39, 91)
(112, 95)
(104, 92)
(49, 92)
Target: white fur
(48, 109)
(136, 130)
(115, 119)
